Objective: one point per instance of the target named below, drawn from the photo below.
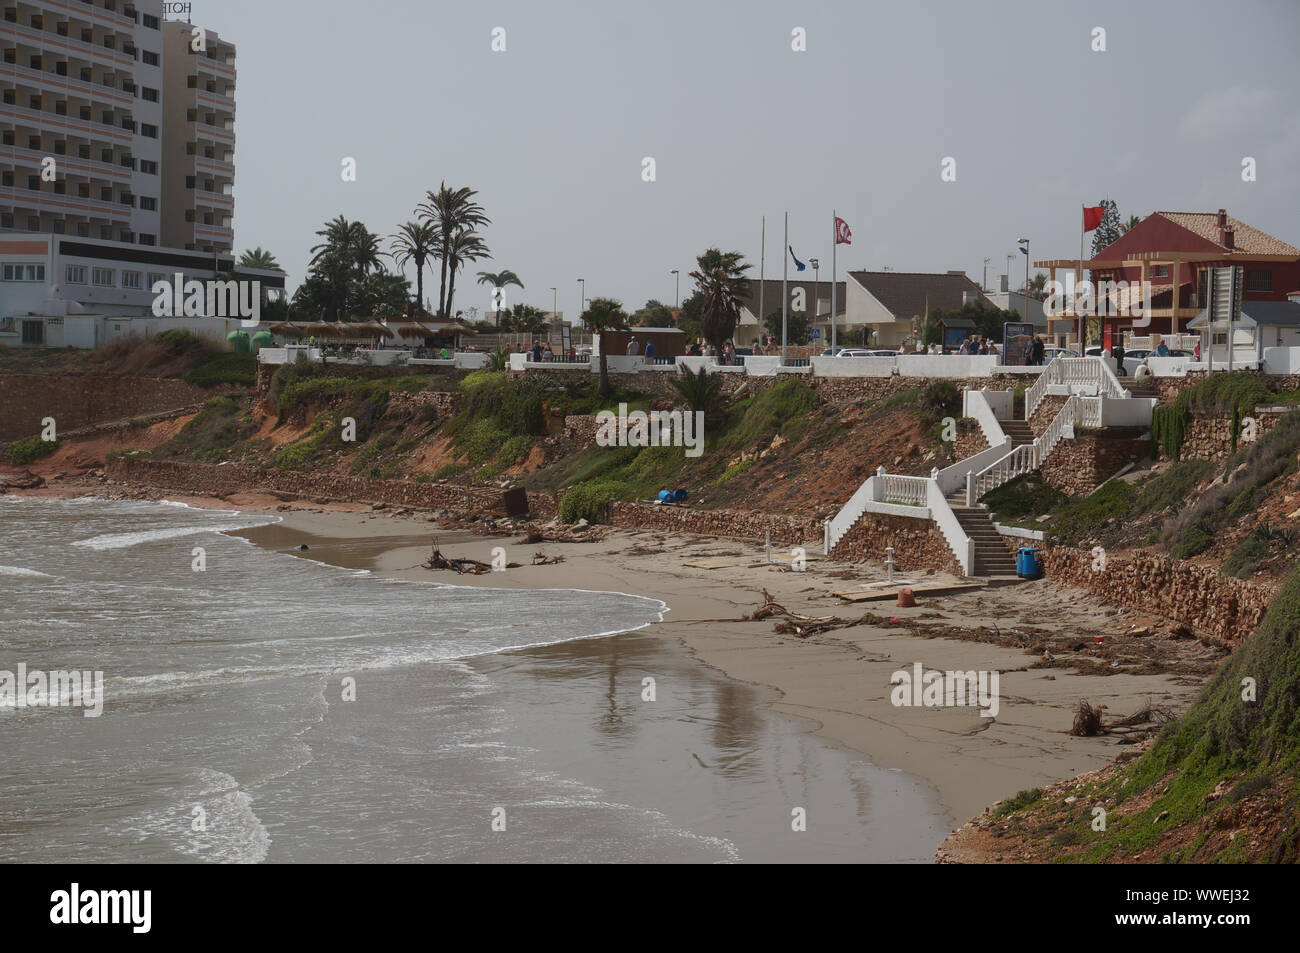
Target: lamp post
(1009, 257)
(582, 299)
(816, 284)
(677, 301)
(555, 302)
(1024, 250)
(984, 285)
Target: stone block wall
(84, 400)
(1077, 467)
(918, 544)
(785, 531)
(1210, 437)
(1224, 609)
(1046, 412)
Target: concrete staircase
(1139, 386)
(992, 558)
(1018, 430)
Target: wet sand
(839, 681)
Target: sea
(262, 707)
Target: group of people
(977, 344)
(634, 348)
(542, 353)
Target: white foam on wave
(126, 540)
(234, 833)
(20, 571)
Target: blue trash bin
(665, 496)
(680, 496)
(1027, 562)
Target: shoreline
(837, 683)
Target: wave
(20, 571)
(126, 540)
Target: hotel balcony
(47, 42)
(66, 126)
(224, 136)
(34, 159)
(27, 201)
(46, 82)
(217, 200)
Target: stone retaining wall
(1210, 437)
(84, 400)
(1225, 609)
(786, 530)
(210, 480)
(918, 544)
(1077, 467)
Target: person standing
(633, 347)
(649, 352)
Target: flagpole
(762, 258)
(835, 240)
(785, 291)
(1078, 279)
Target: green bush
(940, 399)
(590, 501)
(22, 452)
(1084, 518)
(1236, 393)
(213, 433)
(225, 368)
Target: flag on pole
(842, 234)
(798, 265)
(1092, 216)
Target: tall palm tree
(465, 246)
(450, 211)
(417, 242)
(602, 315)
(257, 258)
(720, 281)
(499, 279)
(349, 253)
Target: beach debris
(27, 480)
(905, 599)
(1091, 720)
(471, 567)
(541, 559)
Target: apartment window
(7, 179)
(106, 195)
(189, 181)
(106, 155)
(83, 113)
(190, 149)
(149, 166)
(192, 82)
(61, 108)
(6, 220)
(151, 22)
(1159, 271)
(106, 232)
(149, 95)
(146, 239)
(34, 102)
(126, 235)
(189, 215)
(59, 226)
(10, 98)
(61, 68)
(34, 142)
(83, 230)
(60, 188)
(148, 203)
(149, 58)
(126, 198)
(33, 223)
(83, 190)
(154, 277)
(61, 29)
(191, 115)
(34, 183)
(7, 137)
(102, 277)
(148, 130)
(132, 280)
(11, 55)
(23, 272)
(34, 62)
(37, 23)
(75, 274)
(106, 118)
(1259, 279)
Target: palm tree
(1133, 222)
(499, 279)
(348, 254)
(720, 281)
(702, 391)
(450, 211)
(604, 314)
(417, 242)
(465, 246)
(257, 258)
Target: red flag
(842, 234)
(1092, 216)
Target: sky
(553, 130)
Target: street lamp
(816, 282)
(582, 299)
(677, 301)
(1024, 250)
(984, 286)
(555, 303)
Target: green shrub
(22, 452)
(1172, 487)
(225, 368)
(940, 399)
(212, 434)
(590, 501)
(1083, 518)
(1236, 393)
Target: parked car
(831, 351)
(855, 352)
(876, 352)
(1132, 359)
(1052, 353)
(744, 352)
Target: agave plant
(701, 391)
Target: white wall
(853, 366)
(946, 365)
(1282, 360)
(1127, 412)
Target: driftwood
(541, 559)
(792, 623)
(471, 567)
(1091, 720)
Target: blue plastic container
(679, 496)
(665, 496)
(1027, 563)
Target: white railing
(1090, 411)
(1029, 456)
(850, 513)
(1074, 372)
(962, 546)
(904, 490)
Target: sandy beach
(839, 681)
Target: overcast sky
(552, 132)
